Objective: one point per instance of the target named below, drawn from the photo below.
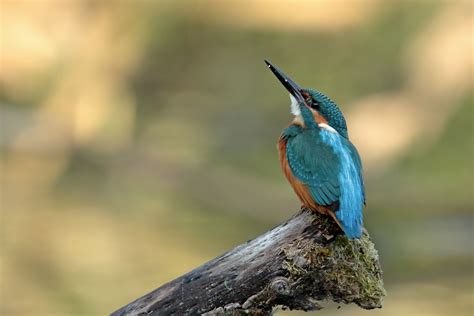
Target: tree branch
(296, 264)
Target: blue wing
(315, 164)
(330, 167)
(358, 162)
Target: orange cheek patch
(318, 117)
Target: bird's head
(312, 106)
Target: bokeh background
(138, 140)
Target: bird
(318, 159)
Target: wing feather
(316, 165)
(330, 169)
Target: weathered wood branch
(295, 265)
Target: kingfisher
(318, 159)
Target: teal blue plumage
(317, 165)
(317, 158)
(327, 163)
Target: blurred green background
(138, 140)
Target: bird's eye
(309, 100)
(314, 104)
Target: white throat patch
(294, 106)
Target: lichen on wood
(296, 265)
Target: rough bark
(298, 263)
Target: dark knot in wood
(280, 286)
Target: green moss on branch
(296, 265)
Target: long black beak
(289, 84)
